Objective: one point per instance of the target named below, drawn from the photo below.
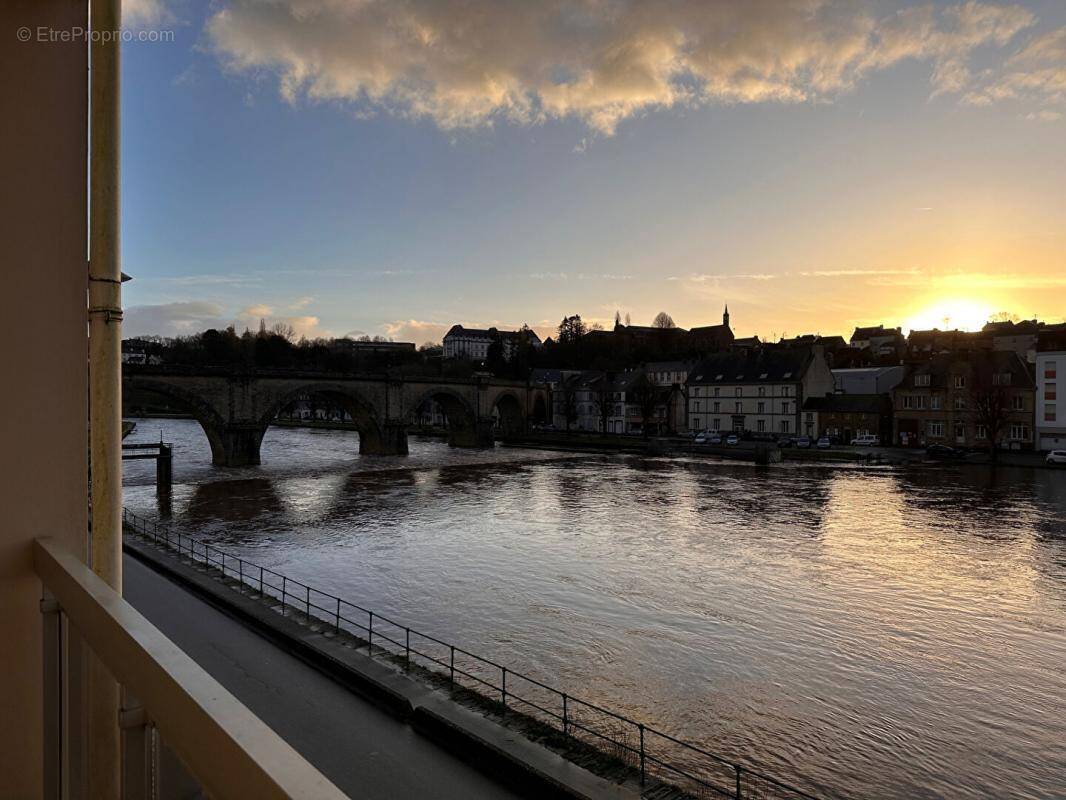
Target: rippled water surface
(876, 632)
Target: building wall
(1050, 400)
(44, 105)
(773, 405)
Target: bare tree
(569, 398)
(646, 395)
(663, 320)
(284, 330)
(603, 399)
(990, 406)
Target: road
(363, 750)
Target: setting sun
(967, 315)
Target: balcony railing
(183, 734)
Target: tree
(646, 395)
(617, 318)
(990, 404)
(603, 399)
(571, 329)
(663, 321)
(569, 401)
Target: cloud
(172, 319)
(704, 277)
(847, 273)
(969, 281)
(255, 312)
(143, 14)
(1036, 74)
(470, 63)
(301, 303)
(415, 330)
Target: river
(860, 631)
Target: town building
(880, 340)
(473, 343)
(976, 398)
(761, 391)
(368, 346)
(921, 344)
(1050, 360)
(842, 417)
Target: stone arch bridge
(236, 408)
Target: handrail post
(307, 602)
(407, 648)
(503, 688)
(452, 667)
(284, 587)
(738, 770)
(566, 724)
(643, 774)
(260, 583)
(337, 621)
(240, 571)
(370, 634)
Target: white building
(474, 343)
(1050, 400)
(760, 392)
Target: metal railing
(650, 752)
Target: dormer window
(923, 380)
(763, 376)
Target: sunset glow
(954, 313)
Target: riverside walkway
(366, 752)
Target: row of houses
(973, 398)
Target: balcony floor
(363, 750)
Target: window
(784, 426)
(1049, 391)
(717, 392)
(1019, 432)
(739, 392)
(786, 391)
(697, 408)
(739, 408)
(784, 407)
(1049, 412)
(1017, 403)
(696, 392)
(762, 407)
(761, 426)
(921, 380)
(717, 424)
(921, 402)
(935, 402)
(717, 407)
(1049, 371)
(695, 424)
(1001, 379)
(935, 429)
(981, 432)
(960, 432)
(908, 401)
(762, 391)
(960, 381)
(960, 403)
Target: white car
(701, 438)
(866, 440)
(1056, 457)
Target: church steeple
(725, 316)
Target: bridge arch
(375, 438)
(465, 429)
(510, 414)
(212, 423)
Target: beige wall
(43, 130)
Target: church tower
(725, 316)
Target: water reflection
(893, 633)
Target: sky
(393, 167)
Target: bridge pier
(239, 446)
(391, 442)
(479, 434)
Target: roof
(849, 404)
(962, 362)
(875, 330)
(669, 366)
(762, 366)
(747, 341)
(487, 333)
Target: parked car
(714, 439)
(701, 438)
(943, 451)
(732, 439)
(866, 440)
(824, 443)
(784, 441)
(1056, 457)
(802, 441)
